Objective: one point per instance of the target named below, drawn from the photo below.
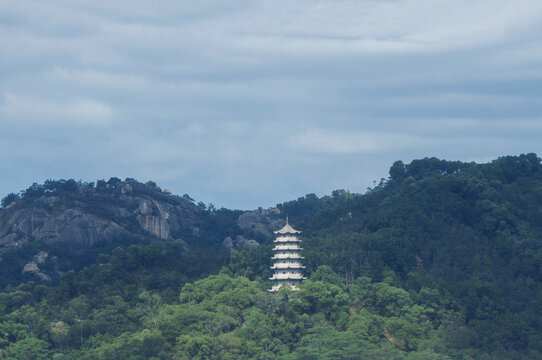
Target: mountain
(82, 215)
(442, 260)
(64, 224)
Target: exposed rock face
(153, 218)
(42, 277)
(155, 225)
(91, 215)
(260, 222)
(228, 243)
(40, 257)
(126, 189)
(33, 269)
(161, 218)
(72, 226)
(240, 242)
(145, 207)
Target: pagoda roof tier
(288, 261)
(287, 229)
(287, 266)
(286, 239)
(287, 256)
(288, 252)
(280, 241)
(286, 247)
(292, 276)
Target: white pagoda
(287, 267)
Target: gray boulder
(260, 222)
(240, 242)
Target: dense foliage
(95, 315)
(440, 261)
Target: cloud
(330, 141)
(221, 100)
(95, 78)
(41, 112)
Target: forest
(441, 260)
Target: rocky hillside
(69, 219)
(442, 260)
(82, 215)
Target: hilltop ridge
(76, 220)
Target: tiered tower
(287, 267)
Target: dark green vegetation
(441, 261)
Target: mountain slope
(64, 224)
(440, 261)
(474, 232)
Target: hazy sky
(251, 103)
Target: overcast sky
(252, 103)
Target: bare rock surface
(228, 243)
(240, 242)
(33, 269)
(40, 257)
(156, 225)
(90, 215)
(260, 222)
(73, 226)
(244, 243)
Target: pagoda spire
(287, 265)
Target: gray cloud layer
(247, 103)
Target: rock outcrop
(153, 218)
(65, 218)
(40, 257)
(87, 215)
(260, 222)
(33, 269)
(240, 242)
(72, 226)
